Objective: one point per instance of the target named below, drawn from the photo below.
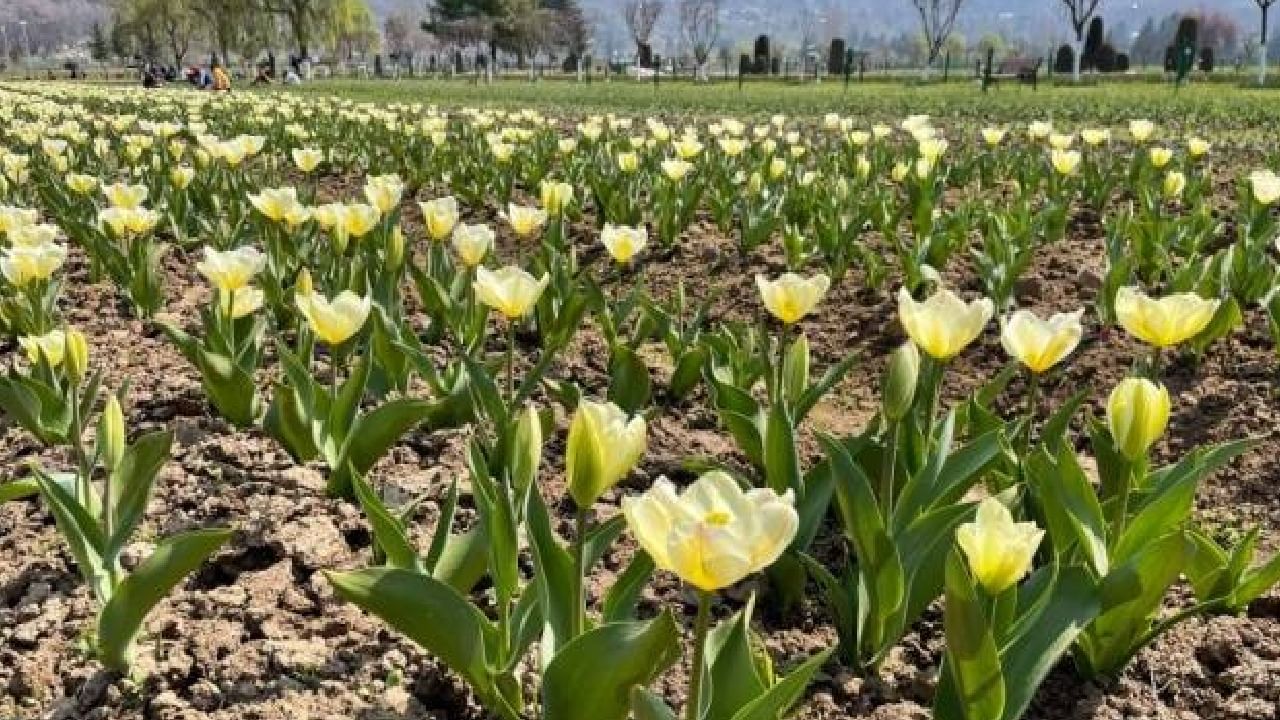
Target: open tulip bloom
(1163, 322)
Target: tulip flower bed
(319, 409)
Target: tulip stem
(511, 362)
(579, 624)
(890, 468)
(1133, 473)
(1156, 369)
(1033, 401)
(700, 628)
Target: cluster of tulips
(1050, 561)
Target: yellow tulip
(1174, 183)
(1141, 130)
(1166, 321)
(1266, 186)
(440, 216)
(384, 192)
(274, 203)
(628, 162)
(1095, 137)
(993, 136)
(12, 218)
(555, 196)
(359, 219)
(944, 324)
(246, 301)
(81, 184)
(307, 159)
(791, 297)
(1160, 156)
(34, 234)
(116, 219)
(732, 146)
(1198, 148)
(111, 433)
(126, 196)
(334, 321)
(329, 216)
(51, 346)
(1137, 415)
(622, 242)
(181, 176)
(1041, 344)
(141, 221)
(231, 270)
(1061, 141)
(510, 290)
(713, 534)
(525, 221)
(24, 264)
(676, 170)
(1039, 130)
(998, 549)
(603, 446)
(687, 148)
(1066, 162)
(472, 243)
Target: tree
(937, 20)
(225, 22)
(350, 28)
(306, 18)
(1265, 7)
(573, 30)
(395, 31)
(98, 48)
(640, 17)
(1080, 13)
(700, 23)
(467, 22)
(1093, 40)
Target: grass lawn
(1216, 103)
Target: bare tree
(1265, 7)
(937, 20)
(1080, 13)
(700, 23)
(641, 16)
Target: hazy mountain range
(1035, 21)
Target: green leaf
(687, 372)
(731, 667)
(834, 374)
(18, 489)
(779, 698)
(629, 384)
(973, 684)
(555, 577)
(287, 421)
(781, 461)
(122, 616)
(579, 686)
(131, 490)
(464, 560)
(230, 388)
(79, 528)
(372, 436)
(440, 538)
(345, 405)
(647, 706)
(746, 433)
(434, 616)
(621, 599)
(1070, 506)
(388, 532)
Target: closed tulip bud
(510, 290)
(1166, 321)
(111, 440)
(900, 380)
(1137, 414)
(395, 249)
(555, 197)
(1041, 344)
(943, 325)
(526, 450)
(998, 549)
(77, 351)
(791, 297)
(302, 285)
(334, 321)
(713, 534)
(603, 447)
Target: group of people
(214, 77)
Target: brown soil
(258, 633)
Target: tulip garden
(314, 408)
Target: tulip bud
(302, 285)
(603, 447)
(77, 355)
(1137, 414)
(526, 449)
(111, 433)
(999, 550)
(900, 379)
(395, 250)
